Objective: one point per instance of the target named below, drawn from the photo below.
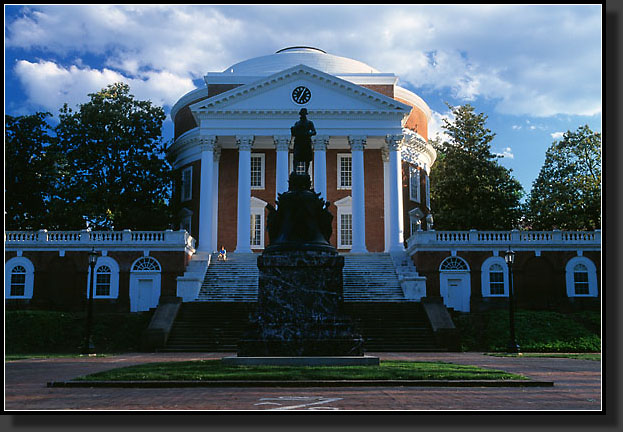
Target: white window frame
(258, 209)
(311, 167)
(414, 176)
(344, 207)
(341, 156)
(485, 280)
(29, 279)
(114, 278)
(262, 158)
(593, 290)
(186, 197)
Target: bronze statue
(302, 131)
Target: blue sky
(534, 70)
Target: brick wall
(60, 282)
(417, 120)
(539, 281)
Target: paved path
(577, 386)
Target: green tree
(30, 171)
(567, 192)
(115, 175)
(469, 188)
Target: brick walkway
(577, 386)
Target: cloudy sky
(535, 71)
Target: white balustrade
(84, 238)
(555, 238)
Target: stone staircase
(367, 278)
(393, 327)
(373, 297)
(371, 278)
(233, 280)
(208, 327)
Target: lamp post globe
(509, 257)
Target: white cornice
(239, 93)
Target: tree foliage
(115, 175)
(30, 171)
(469, 188)
(108, 170)
(567, 192)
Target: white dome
(289, 57)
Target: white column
(217, 157)
(282, 145)
(386, 213)
(320, 164)
(357, 144)
(396, 230)
(244, 194)
(207, 144)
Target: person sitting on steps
(222, 254)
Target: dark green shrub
(63, 332)
(536, 331)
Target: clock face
(301, 95)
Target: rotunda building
(232, 150)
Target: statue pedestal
(299, 311)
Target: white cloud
(539, 60)
(435, 125)
(49, 85)
(557, 135)
(506, 153)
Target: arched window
(19, 278)
(18, 281)
(146, 264)
(494, 277)
(106, 282)
(581, 277)
(102, 281)
(453, 263)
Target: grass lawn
(579, 356)
(206, 370)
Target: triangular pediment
(326, 93)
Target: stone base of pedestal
(299, 308)
(302, 361)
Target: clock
(301, 95)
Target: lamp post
(88, 346)
(509, 257)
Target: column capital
(357, 142)
(394, 142)
(385, 154)
(282, 142)
(245, 142)
(320, 142)
(217, 153)
(207, 143)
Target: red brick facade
(539, 281)
(60, 282)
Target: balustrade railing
(514, 237)
(127, 237)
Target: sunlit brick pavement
(577, 386)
